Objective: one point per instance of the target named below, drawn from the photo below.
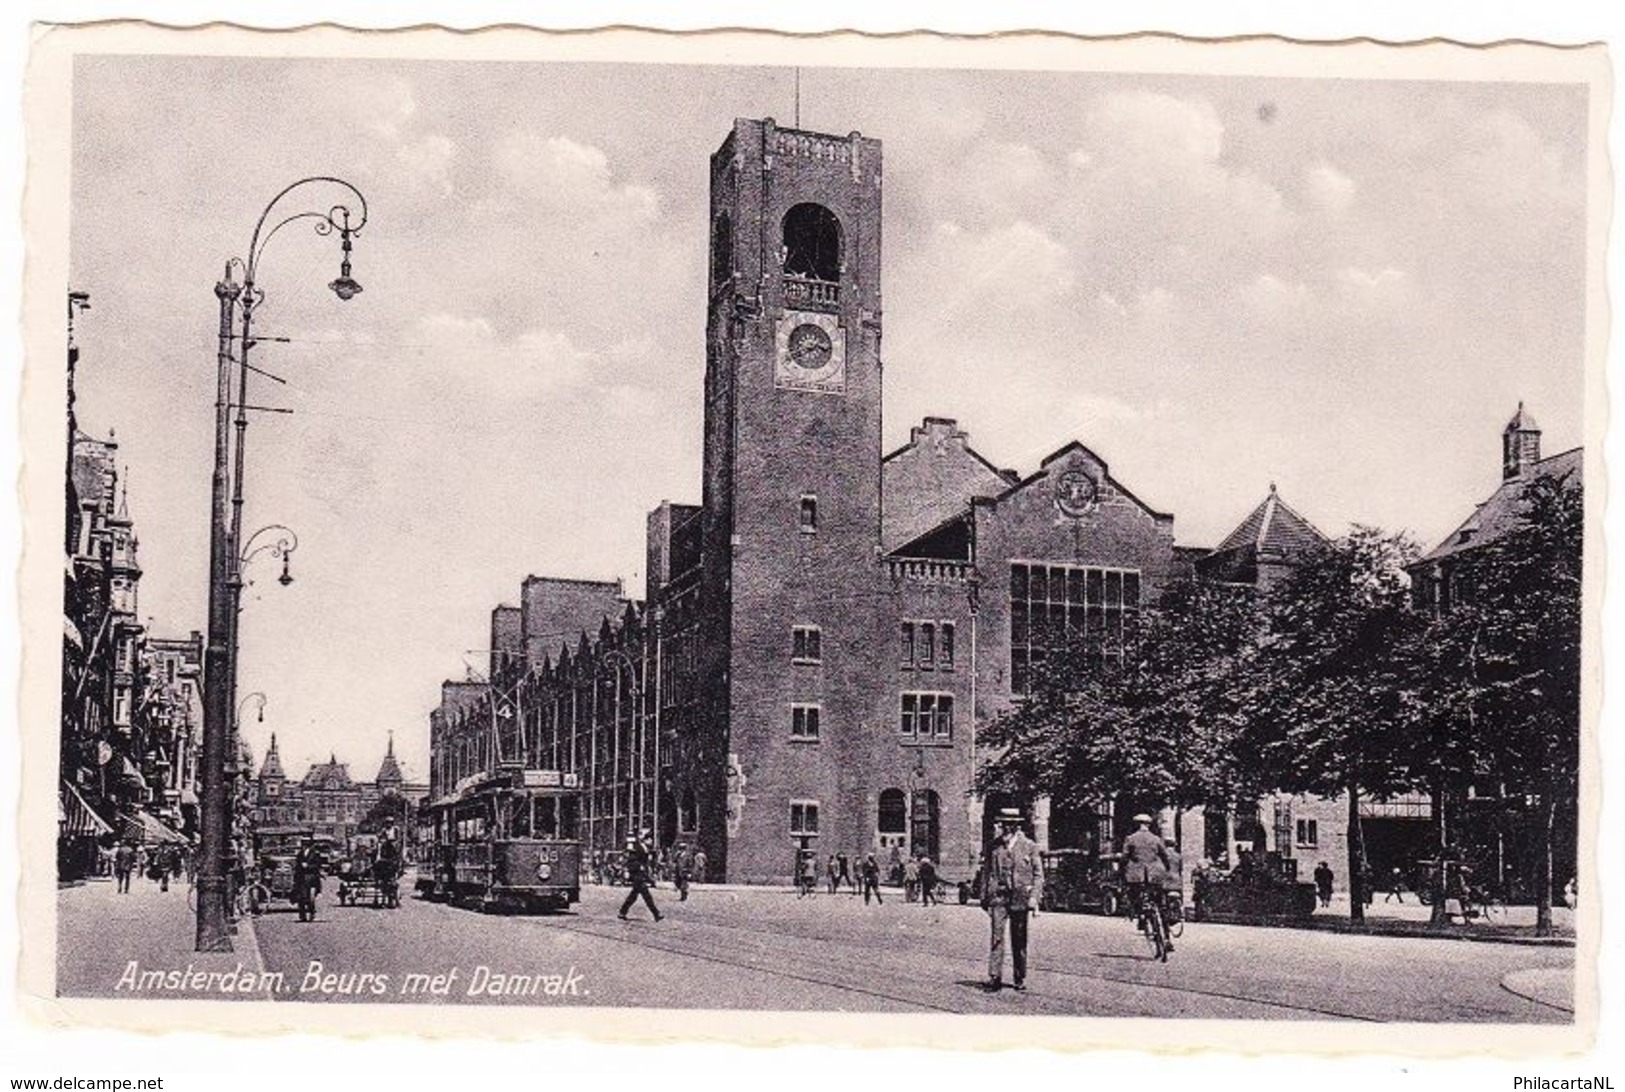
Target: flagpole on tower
(798, 96)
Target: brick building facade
(822, 635)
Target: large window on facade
(803, 818)
(806, 644)
(1067, 610)
(926, 645)
(927, 717)
(893, 817)
(804, 723)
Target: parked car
(1080, 880)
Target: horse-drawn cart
(371, 874)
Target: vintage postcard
(972, 542)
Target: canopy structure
(78, 818)
(143, 826)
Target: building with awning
(146, 828)
(78, 818)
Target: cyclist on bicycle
(1145, 863)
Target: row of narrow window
(926, 646)
(924, 717)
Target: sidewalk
(102, 935)
(1412, 919)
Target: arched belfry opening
(812, 243)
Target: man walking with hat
(638, 866)
(1012, 881)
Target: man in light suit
(1012, 882)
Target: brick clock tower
(790, 584)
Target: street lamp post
(622, 660)
(225, 531)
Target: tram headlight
(544, 872)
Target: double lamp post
(227, 555)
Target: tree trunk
(1543, 863)
(1436, 875)
(1357, 877)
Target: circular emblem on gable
(1075, 493)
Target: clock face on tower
(811, 353)
(809, 346)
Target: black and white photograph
(836, 528)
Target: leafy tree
(1516, 623)
(391, 805)
(1156, 718)
(1332, 693)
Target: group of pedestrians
(920, 881)
(161, 863)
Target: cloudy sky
(1342, 287)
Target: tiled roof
(1500, 512)
(390, 770)
(1272, 528)
(273, 762)
(1522, 421)
(321, 772)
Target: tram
(504, 839)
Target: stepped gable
(931, 480)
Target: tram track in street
(1049, 969)
(580, 924)
(758, 938)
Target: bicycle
(1173, 914)
(1485, 904)
(1150, 921)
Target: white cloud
(563, 174)
(1366, 280)
(1268, 296)
(1153, 199)
(1155, 132)
(1503, 160)
(385, 109)
(1367, 287)
(1329, 188)
(1017, 266)
(430, 158)
(534, 362)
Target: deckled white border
(46, 214)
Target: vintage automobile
(1260, 886)
(272, 876)
(1078, 880)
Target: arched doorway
(891, 824)
(925, 825)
